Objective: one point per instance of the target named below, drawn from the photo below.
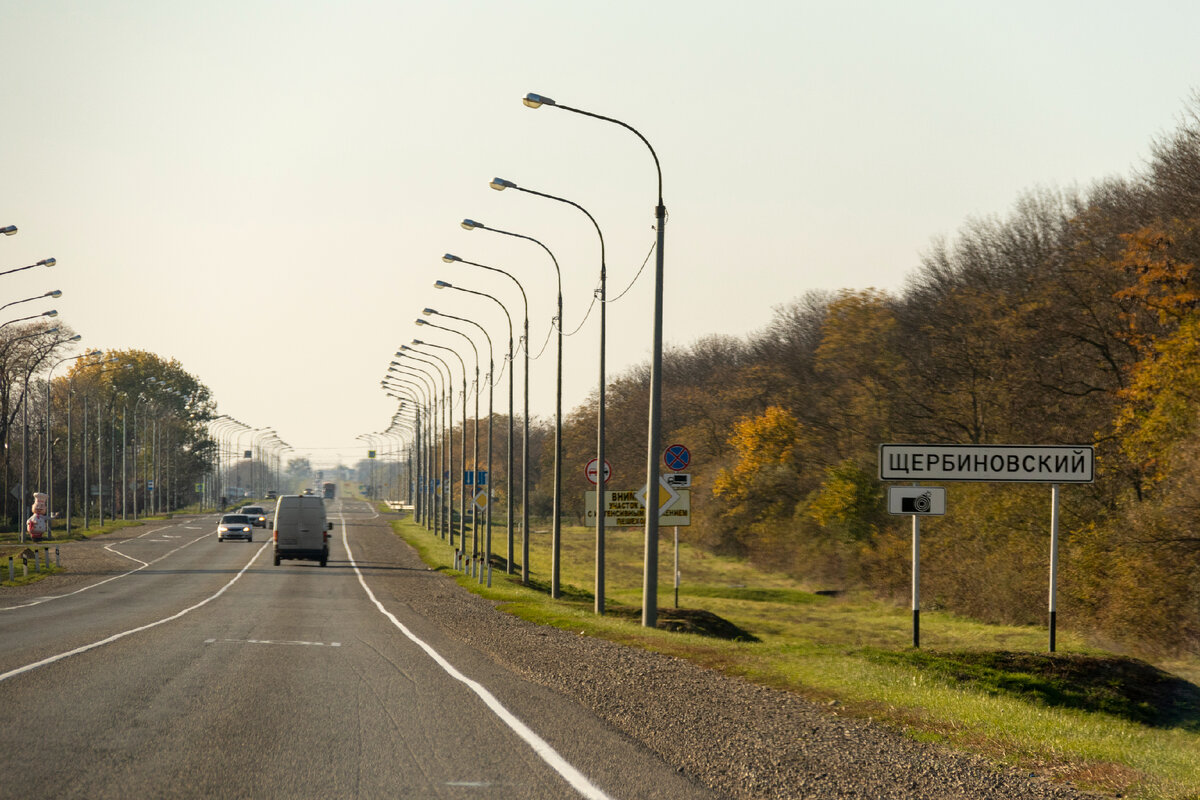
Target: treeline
(121, 432)
(1074, 320)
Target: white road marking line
(270, 641)
(574, 777)
(109, 547)
(12, 673)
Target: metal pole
(916, 580)
(650, 578)
(70, 391)
(525, 464)
(1053, 560)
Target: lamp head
(450, 258)
(536, 100)
(429, 312)
(47, 262)
(75, 338)
(55, 329)
(8, 230)
(404, 347)
(442, 285)
(417, 341)
(470, 224)
(499, 184)
(56, 293)
(95, 353)
(50, 313)
(420, 321)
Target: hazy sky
(264, 190)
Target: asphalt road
(207, 672)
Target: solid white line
(110, 639)
(547, 753)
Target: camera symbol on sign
(916, 505)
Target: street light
(441, 516)
(8, 230)
(419, 393)
(49, 459)
(54, 293)
(500, 184)
(556, 521)
(491, 385)
(45, 262)
(446, 462)
(475, 444)
(450, 259)
(51, 314)
(462, 447)
(650, 575)
(487, 496)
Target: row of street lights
(408, 381)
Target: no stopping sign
(677, 457)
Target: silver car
(235, 526)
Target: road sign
(678, 480)
(677, 457)
(370, 454)
(666, 496)
(481, 499)
(987, 463)
(925, 501)
(475, 478)
(623, 509)
(590, 471)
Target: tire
(324, 557)
(250, 538)
(219, 539)
(277, 559)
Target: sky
(264, 190)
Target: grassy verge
(1107, 723)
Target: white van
(301, 530)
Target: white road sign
(987, 463)
(925, 501)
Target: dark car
(235, 526)
(257, 515)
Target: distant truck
(329, 490)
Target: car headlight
(222, 529)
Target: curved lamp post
(446, 465)
(441, 515)
(45, 262)
(490, 373)
(410, 398)
(500, 184)
(49, 451)
(462, 514)
(55, 293)
(654, 432)
(556, 522)
(491, 384)
(51, 313)
(462, 439)
(450, 259)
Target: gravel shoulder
(737, 738)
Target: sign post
(920, 501)
(1052, 464)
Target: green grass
(1105, 722)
